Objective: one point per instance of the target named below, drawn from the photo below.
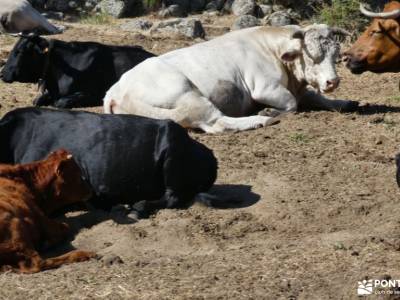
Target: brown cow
(378, 48)
(28, 194)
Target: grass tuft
(97, 19)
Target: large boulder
(137, 25)
(173, 10)
(243, 7)
(118, 8)
(245, 22)
(185, 26)
(280, 18)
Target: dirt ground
(319, 207)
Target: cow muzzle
(354, 63)
(331, 85)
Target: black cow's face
(26, 61)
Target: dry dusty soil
(317, 207)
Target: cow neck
(46, 63)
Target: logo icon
(365, 287)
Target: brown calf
(28, 193)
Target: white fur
(178, 85)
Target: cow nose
(332, 84)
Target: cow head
(378, 48)
(26, 61)
(314, 51)
(66, 185)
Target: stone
(215, 5)
(243, 7)
(188, 27)
(117, 8)
(173, 10)
(245, 21)
(280, 18)
(265, 10)
(140, 24)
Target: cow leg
(146, 208)
(239, 124)
(43, 100)
(77, 100)
(279, 100)
(311, 99)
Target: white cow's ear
(289, 56)
(299, 34)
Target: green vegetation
(299, 138)
(393, 99)
(151, 5)
(344, 14)
(97, 19)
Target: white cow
(18, 16)
(219, 85)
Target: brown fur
(28, 193)
(379, 44)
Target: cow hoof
(269, 112)
(351, 106)
(139, 210)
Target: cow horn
(337, 30)
(383, 15)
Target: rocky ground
(318, 206)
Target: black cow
(127, 159)
(71, 74)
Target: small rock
(215, 5)
(245, 21)
(265, 10)
(117, 8)
(243, 7)
(135, 25)
(174, 10)
(188, 27)
(72, 4)
(279, 18)
(111, 259)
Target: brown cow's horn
(384, 15)
(337, 30)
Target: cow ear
(63, 164)
(290, 55)
(298, 34)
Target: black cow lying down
(126, 159)
(71, 74)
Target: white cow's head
(314, 51)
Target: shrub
(97, 19)
(344, 14)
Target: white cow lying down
(19, 16)
(220, 84)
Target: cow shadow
(231, 196)
(228, 196)
(366, 109)
(371, 109)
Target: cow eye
(376, 32)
